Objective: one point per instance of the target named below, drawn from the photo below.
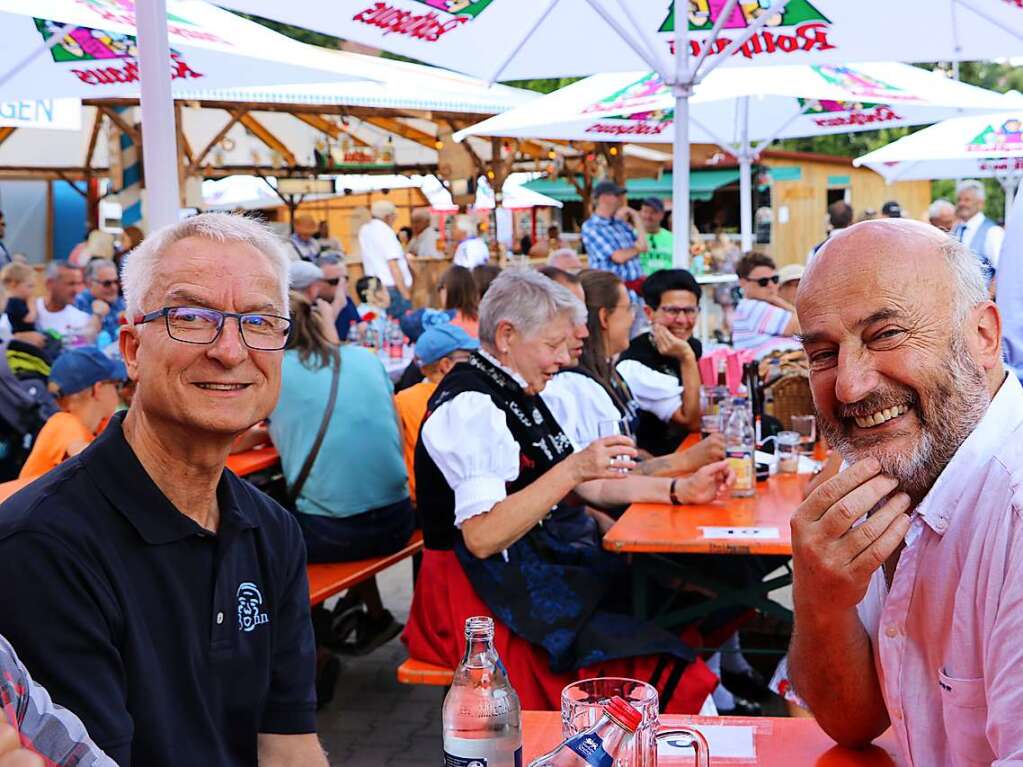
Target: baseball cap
(790, 272)
(77, 369)
(891, 209)
(440, 341)
(302, 274)
(607, 187)
(654, 202)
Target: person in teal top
(660, 241)
(355, 502)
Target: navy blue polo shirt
(174, 645)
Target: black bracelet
(671, 493)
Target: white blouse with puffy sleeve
(655, 392)
(469, 440)
(579, 404)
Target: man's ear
(128, 343)
(987, 333)
(649, 312)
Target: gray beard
(950, 412)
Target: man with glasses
(158, 596)
(763, 321)
(334, 290)
(102, 298)
(661, 367)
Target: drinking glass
(710, 424)
(614, 428)
(806, 427)
(582, 705)
(787, 448)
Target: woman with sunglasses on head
(763, 322)
(661, 367)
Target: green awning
(702, 184)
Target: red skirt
(435, 633)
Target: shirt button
(941, 524)
(220, 618)
(891, 632)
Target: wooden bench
(326, 580)
(419, 672)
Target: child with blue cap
(84, 381)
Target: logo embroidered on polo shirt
(250, 600)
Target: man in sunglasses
(661, 367)
(763, 322)
(102, 298)
(154, 593)
(334, 290)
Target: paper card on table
(728, 533)
(725, 741)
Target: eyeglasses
(764, 281)
(675, 311)
(194, 325)
(106, 283)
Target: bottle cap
(623, 713)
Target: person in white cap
(305, 278)
(384, 258)
(788, 281)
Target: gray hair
(939, 206)
(565, 258)
(528, 301)
(969, 283)
(140, 265)
(54, 267)
(971, 184)
(95, 265)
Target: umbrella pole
(745, 178)
(159, 145)
(681, 87)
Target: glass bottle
(481, 715)
(601, 745)
(740, 446)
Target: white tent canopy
(96, 56)
(513, 39)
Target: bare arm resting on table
(290, 751)
(710, 450)
(830, 658)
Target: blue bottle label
(591, 748)
(450, 760)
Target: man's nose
(229, 349)
(856, 376)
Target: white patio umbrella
(978, 146)
(97, 49)
(509, 39)
(736, 107)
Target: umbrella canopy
(989, 145)
(735, 107)
(512, 39)
(507, 39)
(784, 102)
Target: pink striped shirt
(948, 637)
(760, 326)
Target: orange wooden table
(252, 461)
(778, 742)
(664, 529)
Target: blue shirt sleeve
(344, 319)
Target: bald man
(303, 238)
(908, 591)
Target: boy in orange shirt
(438, 349)
(84, 380)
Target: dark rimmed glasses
(197, 325)
(764, 281)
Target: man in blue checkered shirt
(611, 243)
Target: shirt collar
(120, 476)
(975, 219)
(1000, 420)
(506, 370)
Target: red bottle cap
(623, 713)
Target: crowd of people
(164, 601)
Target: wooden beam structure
(6, 132)
(236, 115)
(121, 123)
(269, 139)
(392, 125)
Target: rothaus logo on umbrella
(1007, 137)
